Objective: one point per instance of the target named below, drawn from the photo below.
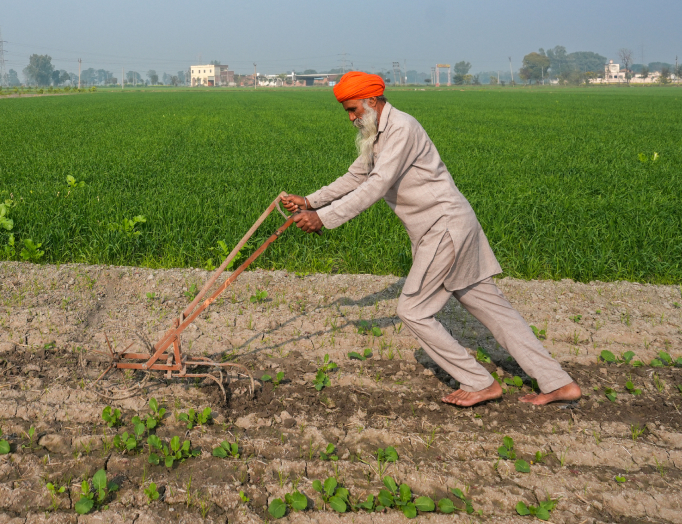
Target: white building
(211, 75)
(612, 73)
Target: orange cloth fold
(357, 85)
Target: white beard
(367, 133)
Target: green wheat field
(567, 183)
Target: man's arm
(357, 174)
(395, 159)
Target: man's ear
(372, 102)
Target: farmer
(451, 256)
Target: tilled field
(603, 460)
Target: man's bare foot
(469, 398)
(566, 393)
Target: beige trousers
(487, 303)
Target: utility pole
(123, 78)
(405, 67)
(4, 81)
(498, 78)
(255, 76)
(511, 71)
(79, 73)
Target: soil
(53, 321)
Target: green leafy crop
(96, 496)
(171, 453)
(334, 496)
(195, 418)
(112, 416)
(541, 512)
(226, 449)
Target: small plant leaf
(628, 356)
(391, 454)
(405, 493)
(84, 505)
(266, 378)
(655, 363)
(424, 504)
(518, 381)
(277, 508)
(446, 506)
(410, 510)
(522, 509)
(508, 442)
(665, 357)
(522, 466)
(542, 514)
(607, 356)
(299, 501)
(329, 486)
(390, 484)
(458, 493)
(338, 504)
(353, 355)
(99, 480)
(4, 447)
(385, 498)
(317, 486)
(219, 452)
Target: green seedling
(656, 363)
(482, 356)
(321, 379)
(540, 334)
(191, 292)
(367, 353)
(400, 497)
(576, 318)
(9, 251)
(506, 450)
(540, 456)
(227, 449)
(151, 493)
(620, 479)
(112, 416)
(541, 512)
(610, 394)
(367, 328)
(127, 226)
(515, 381)
(244, 498)
(96, 496)
(276, 380)
(151, 296)
(71, 182)
(54, 491)
(5, 223)
(172, 453)
(4, 445)
(31, 251)
(332, 495)
(154, 418)
(328, 453)
(636, 431)
(30, 434)
(384, 458)
(447, 506)
(196, 418)
(130, 442)
(632, 389)
(295, 501)
(259, 297)
(209, 265)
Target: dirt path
(53, 319)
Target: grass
(554, 176)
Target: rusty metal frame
(174, 363)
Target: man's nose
(352, 117)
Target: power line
(3, 73)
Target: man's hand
(308, 221)
(293, 203)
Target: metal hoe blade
(161, 356)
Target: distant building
(613, 73)
(211, 75)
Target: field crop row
(580, 184)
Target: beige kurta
(410, 176)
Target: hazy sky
(279, 36)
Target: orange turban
(357, 85)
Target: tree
(55, 78)
(39, 69)
(461, 71)
(174, 81)
(214, 62)
(13, 78)
(153, 77)
(665, 75)
(586, 61)
(309, 72)
(678, 72)
(625, 56)
(493, 80)
(644, 73)
(534, 67)
(64, 76)
(558, 60)
(181, 77)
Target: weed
(259, 297)
(636, 431)
(127, 226)
(620, 479)
(96, 496)
(151, 493)
(576, 318)
(71, 182)
(662, 469)
(384, 458)
(191, 292)
(541, 512)
(30, 434)
(328, 453)
(482, 355)
(227, 449)
(632, 389)
(54, 490)
(244, 498)
(540, 334)
(31, 251)
(367, 353)
(195, 418)
(112, 416)
(276, 380)
(171, 453)
(611, 394)
(660, 384)
(369, 328)
(4, 445)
